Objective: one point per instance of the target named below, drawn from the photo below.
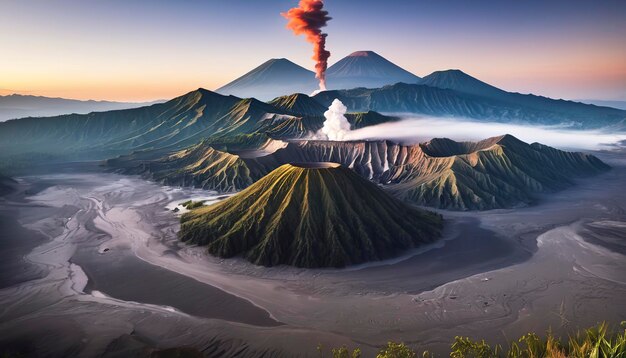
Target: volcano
(313, 214)
(281, 77)
(366, 69)
(462, 82)
(273, 78)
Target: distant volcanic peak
(455, 71)
(367, 69)
(274, 62)
(310, 215)
(459, 81)
(451, 74)
(363, 54)
(271, 79)
(279, 65)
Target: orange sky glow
(128, 52)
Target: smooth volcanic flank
(310, 215)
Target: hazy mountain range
(279, 77)
(227, 143)
(19, 106)
(362, 81)
(499, 106)
(450, 93)
(175, 124)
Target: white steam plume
(336, 125)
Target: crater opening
(316, 165)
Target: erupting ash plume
(308, 19)
(336, 125)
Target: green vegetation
(323, 216)
(341, 352)
(594, 342)
(190, 205)
(396, 350)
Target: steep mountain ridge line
(366, 69)
(441, 102)
(458, 80)
(299, 104)
(500, 172)
(15, 106)
(445, 147)
(271, 79)
(176, 124)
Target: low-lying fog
(419, 129)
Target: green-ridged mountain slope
(310, 215)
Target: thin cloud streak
(413, 130)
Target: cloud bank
(413, 130)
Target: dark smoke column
(308, 19)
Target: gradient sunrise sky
(155, 49)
